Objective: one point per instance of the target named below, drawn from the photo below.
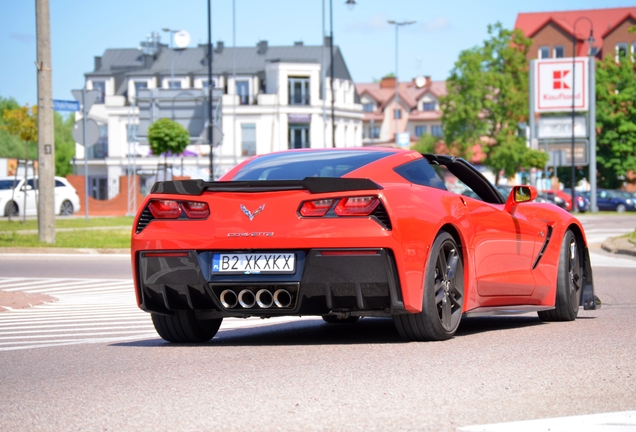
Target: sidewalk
(620, 246)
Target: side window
(420, 172)
(59, 184)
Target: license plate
(255, 263)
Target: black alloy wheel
(443, 297)
(67, 208)
(184, 327)
(569, 282)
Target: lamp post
(210, 91)
(395, 111)
(172, 32)
(590, 41)
(350, 4)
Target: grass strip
(66, 222)
(92, 239)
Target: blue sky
(82, 29)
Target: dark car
(610, 200)
(582, 200)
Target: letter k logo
(558, 82)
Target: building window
(99, 150)
(397, 114)
(204, 83)
(174, 84)
(248, 139)
(559, 51)
(298, 135)
(243, 92)
(544, 52)
(621, 50)
(100, 86)
(436, 130)
(367, 107)
(429, 106)
(140, 85)
(372, 132)
(299, 91)
(98, 188)
(132, 132)
(420, 130)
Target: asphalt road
(303, 374)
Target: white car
(13, 192)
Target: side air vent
(382, 216)
(144, 220)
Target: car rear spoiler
(312, 184)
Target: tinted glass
(298, 165)
(420, 172)
(59, 184)
(8, 184)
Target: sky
(83, 29)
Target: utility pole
(210, 114)
(46, 148)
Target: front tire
(569, 282)
(443, 297)
(11, 209)
(184, 327)
(621, 208)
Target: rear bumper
(352, 281)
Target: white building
(272, 100)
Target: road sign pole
(85, 152)
(592, 125)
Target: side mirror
(520, 194)
(26, 188)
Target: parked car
(610, 200)
(18, 197)
(563, 198)
(582, 200)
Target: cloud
(22, 37)
(375, 23)
(438, 24)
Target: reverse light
(357, 206)
(317, 208)
(164, 209)
(196, 210)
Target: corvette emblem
(252, 215)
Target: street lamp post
(397, 26)
(350, 4)
(590, 41)
(210, 91)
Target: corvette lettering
(251, 234)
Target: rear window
(422, 173)
(298, 165)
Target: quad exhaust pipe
(263, 298)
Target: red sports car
(349, 233)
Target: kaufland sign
(558, 84)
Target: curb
(619, 246)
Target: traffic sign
(64, 105)
(92, 132)
(91, 97)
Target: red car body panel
(500, 249)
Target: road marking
(599, 260)
(607, 422)
(87, 311)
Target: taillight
(165, 209)
(196, 210)
(357, 206)
(316, 208)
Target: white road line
(607, 422)
(599, 260)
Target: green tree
(166, 136)
(426, 144)
(64, 143)
(488, 97)
(615, 121)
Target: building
(416, 111)
(268, 98)
(552, 33)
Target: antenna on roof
(151, 45)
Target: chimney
(98, 63)
(387, 82)
(219, 47)
(428, 80)
(327, 41)
(149, 59)
(262, 47)
(298, 43)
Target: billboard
(561, 84)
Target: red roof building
(553, 33)
(418, 110)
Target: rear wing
(312, 184)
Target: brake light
(357, 206)
(164, 209)
(317, 208)
(196, 210)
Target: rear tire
(621, 208)
(66, 209)
(11, 209)
(333, 319)
(184, 327)
(443, 297)
(569, 282)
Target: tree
(488, 97)
(615, 121)
(64, 144)
(426, 144)
(167, 136)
